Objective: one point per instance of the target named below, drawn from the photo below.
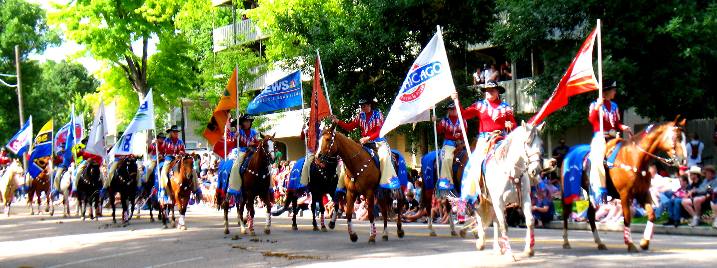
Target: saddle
(372, 150)
(245, 164)
(611, 149)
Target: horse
(256, 182)
(37, 187)
(146, 192)
(89, 183)
(10, 180)
(65, 187)
(179, 189)
(124, 182)
(430, 174)
(628, 178)
(363, 179)
(510, 170)
(323, 180)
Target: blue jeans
(665, 199)
(675, 209)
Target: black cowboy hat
(174, 128)
(160, 136)
(609, 84)
(492, 84)
(367, 100)
(245, 117)
(85, 140)
(451, 105)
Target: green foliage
(662, 54)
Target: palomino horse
(256, 181)
(179, 189)
(363, 179)
(124, 182)
(323, 180)
(629, 179)
(10, 180)
(510, 170)
(37, 186)
(89, 183)
(430, 176)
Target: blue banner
(282, 94)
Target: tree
(662, 55)
(22, 24)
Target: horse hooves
(480, 245)
(353, 237)
(567, 246)
(372, 240)
(32, 213)
(332, 225)
(151, 219)
(600, 247)
(183, 228)
(294, 227)
(267, 231)
(631, 248)
(316, 228)
(226, 231)
(52, 214)
(645, 244)
(400, 233)
(252, 233)
(433, 233)
(529, 252)
(385, 238)
(165, 227)
(475, 235)
(454, 234)
(462, 233)
(243, 231)
(323, 229)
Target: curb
(638, 228)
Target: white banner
(133, 142)
(96, 140)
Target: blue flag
(282, 94)
(21, 141)
(71, 140)
(41, 150)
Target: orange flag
(215, 128)
(578, 79)
(319, 108)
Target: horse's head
(670, 138)
(266, 146)
(327, 150)
(528, 150)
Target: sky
(69, 49)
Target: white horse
(64, 184)
(514, 165)
(10, 180)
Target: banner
(67, 156)
(282, 94)
(214, 131)
(578, 79)
(61, 136)
(20, 143)
(96, 140)
(319, 109)
(131, 141)
(41, 150)
(428, 82)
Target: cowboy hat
(245, 117)
(367, 100)
(174, 128)
(492, 84)
(609, 84)
(451, 105)
(695, 170)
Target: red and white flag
(319, 108)
(578, 79)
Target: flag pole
(303, 116)
(458, 111)
(435, 142)
(238, 93)
(599, 51)
(326, 89)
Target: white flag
(132, 142)
(111, 118)
(96, 140)
(428, 82)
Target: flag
(214, 132)
(218, 147)
(67, 156)
(319, 108)
(282, 94)
(41, 149)
(61, 136)
(578, 79)
(96, 140)
(111, 118)
(428, 82)
(132, 142)
(20, 143)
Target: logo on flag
(282, 94)
(415, 80)
(21, 141)
(143, 120)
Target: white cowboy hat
(695, 170)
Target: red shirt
(611, 116)
(450, 129)
(152, 150)
(172, 147)
(247, 137)
(88, 156)
(491, 115)
(4, 160)
(370, 125)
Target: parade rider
(370, 120)
(173, 147)
(611, 126)
(153, 152)
(449, 128)
(306, 168)
(246, 137)
(84, 158)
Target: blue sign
(282, 94)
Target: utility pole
(19, 84)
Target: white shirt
(694, 161)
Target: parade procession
(459, 133)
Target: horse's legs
(164, 211)
(593, 228)
(350, 200)
(250, 217)
(337, 208)
(399, 221)
(125, 214)
(529, 221)
(50, 208)
(183, 202)
(240, 212)
(225, 208)
(267, 205)
(450, 217)
(313, 212)
(114, 207)
(66, 203)
(294, 210)
(82, 203)
(647, 236)
(174, 219)
(132, 205)
(626, 201)
(383, 204)
(483, 217)
(429, 207)
(322, 209)
(567, 210)
(371, 199)
(38, 194)
(499, 210)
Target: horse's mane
(652, 129)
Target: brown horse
(363, 179)
(256, 182)
(37, 187)
(629, 179)
(179, 189)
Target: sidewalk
(638, 228)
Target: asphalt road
(44, 241)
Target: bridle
(267, 157)
(673, 159)
(329, 158)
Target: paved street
(43, 241)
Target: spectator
(278, 155)
(505, 72)
(674, 206)
(661, 190)
(694, 151)
(477, 77)
(609, 212)
(560, 151)
(697, 192)
(412, 204)
(491, 74)
(543, 208)
(244, 17)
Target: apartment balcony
(239, 33)
(516, 95)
